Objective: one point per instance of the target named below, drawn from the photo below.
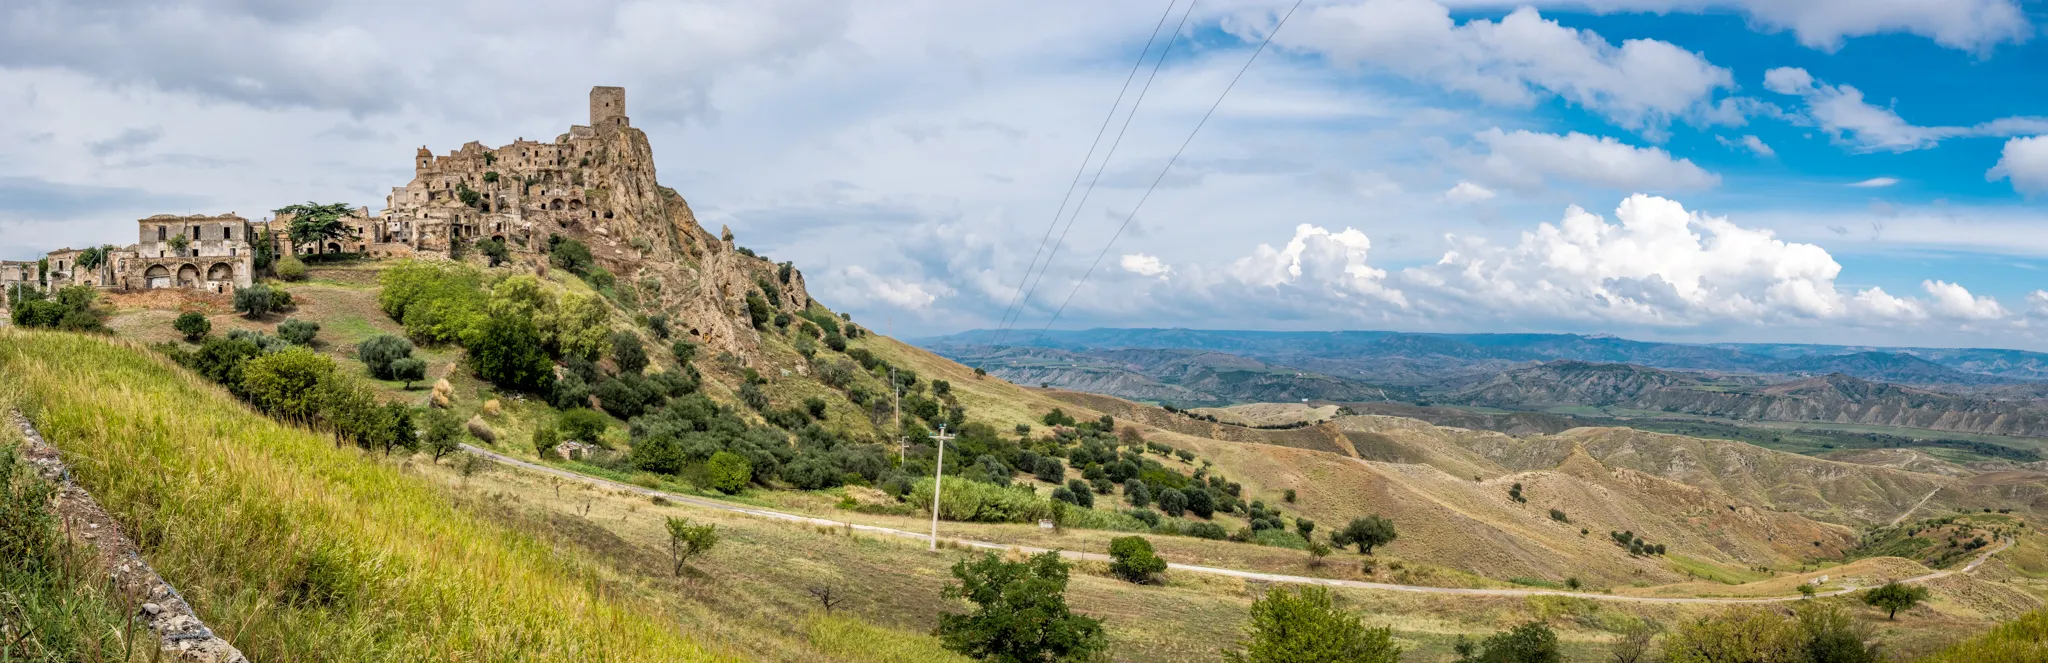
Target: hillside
(1182, 377)
(1884, 367)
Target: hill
(1884, 367)
(1183, 377)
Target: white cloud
(1875, 183)
(861, 286)
(1524, 160)
(1467, 192)
(1319, 257)
(1145, 265)
(1747, 143)
(2025, 162)
(1973, 25)
(1954, 301)
(1841, 111)
(1641, 84)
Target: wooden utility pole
(938, 477)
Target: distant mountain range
(1401, 358)
(1186, 377)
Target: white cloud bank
(1841, 111)
(1972, 25)
(1641, 84)
(1525, 160)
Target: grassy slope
(298, 550)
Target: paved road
(1210, 570)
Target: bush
(975, 502)
(193, 325)
(728, 472)
(628, 396)
(1289, 625)
(443, 433)
(1201, 503)
(1173, 502)
(1020, 612)
(379, 351)
(494, 250)
(815, 406)
(685, 350)
(1367, 533)
(1205, 530)
(1532, 642)
(815, 472)
(582, 424)
(290, 268)
(283, 384)
(255, 301)
(298, 332)
(1132, 559)
(628, 353)
(545, 439)
(1147, 516)
(1136, 493)
(570, 255)
(409, 370)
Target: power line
(1169, 166)
(1099, 168)
(1003, 323)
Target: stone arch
(334, 247)
(188, 275)
(575, 204)
(555, 204)
(220, 271)
(498, 238)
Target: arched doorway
(157, 276)
(555, 204)
(221, 272)
(333, 247)
(575, 204)
(188, 276)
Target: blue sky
(1675, 169)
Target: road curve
(1191, 568)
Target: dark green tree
(255, 301)
(1893, 597)
(298, 332)
(316, 224)
(193, 325)
(628, 353)
(1366, 533)
(1532, 642)
(378, 352)
(1020, 613)
(506, 351)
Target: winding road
(1916, 506)
(1191, 568)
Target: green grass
(298, 550)
(855, 640)
(57, 605)
(2024, 640)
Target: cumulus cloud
(1955, 302)
(1972, 25)
(1750, 144)
(1875, 183)
(1144, 265)
(1525, 159)
(1841, 111)
(1318, 256)
(858, 285)
(2025, 163)
(1641, 84)
(1467, 192)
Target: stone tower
(607, 107)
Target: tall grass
(295, 550)
(857, 641)
(54, 605)
(2023, 640)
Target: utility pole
(896, 394)
(938, 476)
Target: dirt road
(1210, 570)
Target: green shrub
(290, 268)
(255, 301)
(409, 370)
(378, 352)
(728, 472)
(1132, 559)
(1020, 612)
(583, 425)
(569, 254)
(282, 384)
(193, 325)
(506, 351)
(965, 500)
(1290, 625)
(298, 332)
(627, 352)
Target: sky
(1839, 171)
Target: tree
(1306, 527)
(1317, 550)
(1366, 533)
(1828, 634)
(1532, 642)
(283, 384)
(545, 438)
(1131, 558)
(443, 435)
(193, 325)
(1634, 644)
(1807, 590)
(582, 424)
(506, 351)
(494, 250)
(1747, 633)
(1893, 597)
(291, 268)
(1201, 503)
(686, 541)
(378, 352)
(1136, 493)
(403, 434)
(569, 255)
(728, 472)
(1302, 626)
(815, 406)
(1020, 612)
(314, 223)
(180, 242)
(1173, 502)
(255, 301)
(298, 332)
(409, 370)
(628, 353)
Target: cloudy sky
(1755, 170)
